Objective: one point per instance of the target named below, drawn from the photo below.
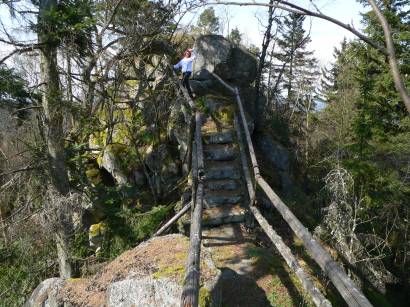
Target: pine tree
(371, 136)
(208, 22)
(299, 72)
(296, 80)
(235, 36)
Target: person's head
(187, 54)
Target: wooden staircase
(221, 173)
(225, 197)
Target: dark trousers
(185, 82)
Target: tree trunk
(265, 45)
(3, 228)
(63, 254)
(53, 121)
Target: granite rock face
(151, 274)
(143, 292)
(215, 54)
(46, 294)
(276, 157)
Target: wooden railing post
(190, 291)
(175, 218)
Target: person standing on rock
(186, 66)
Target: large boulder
(46, 294)
(216, 54)
(151, 274)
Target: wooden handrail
(190, 291)
(317, 297)
(189, 153)
(346, 287)
(192, 108)
(247, 135)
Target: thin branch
(293, 8)
(24, 169)
(16, 51)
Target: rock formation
(151, 274)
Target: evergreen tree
(368, 130)
(299, 71)
(235, 36)
(208, 22)
(297, 75)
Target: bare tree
(344, 218)
(53, 125)
(265, 45)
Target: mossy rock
(94, 175)
(150, 274)
(97, 229)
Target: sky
(325, 35)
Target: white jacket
(185, 64)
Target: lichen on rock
(151, 274)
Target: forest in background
(90, 166)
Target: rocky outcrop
(216, 54)
(46, 294)
(275, 158)
(151, 274)
(112, 165)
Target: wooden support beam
(350, 292)
(317, 297)
(346, 287)
(174, 219)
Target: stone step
(221, 170)
(222, 198)
(220, 152)
(222, 184)
(218, 138)
(223, 215)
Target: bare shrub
(349, 223)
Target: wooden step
(223, 215)
(220, 152)
(218, 138)
(222, 184)
(210, 127)
(221, 170)
(222, 198)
